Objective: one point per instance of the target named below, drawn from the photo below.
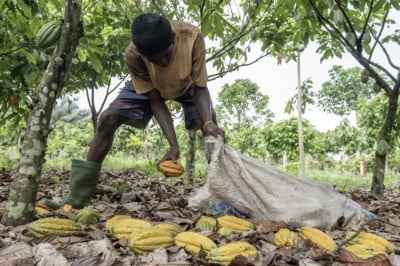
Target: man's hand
(173, 154)
(211, 129)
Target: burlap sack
(265, 192)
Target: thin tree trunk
(21, 202)
(146, 144)
(361, 164)
(302, 168)
(190, 158)
(383, 146)
(285, 160)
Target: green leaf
(30, 57)
(82, 55)
(378, 5)
(26, 10)
(106, 32)
(95, 62)
(2, 3)
(396, 4)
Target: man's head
(152, 35)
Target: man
(166, 61)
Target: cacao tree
(364, 29)
(22, 198)
(283, 136)
(241, 103)
(344, 91)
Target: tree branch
(223, 73)
(366, 63)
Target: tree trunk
(383, 146)
(342, 163)
(302, 167)
(146, 144)
(94, 119)
(21, 202)
(362, 168)
(190, 158)
(285, 160)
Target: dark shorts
(135, 106)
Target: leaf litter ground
(158, 199)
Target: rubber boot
(84, 177)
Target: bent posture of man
(166, 61)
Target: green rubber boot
(84, 177)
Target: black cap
(151, 33)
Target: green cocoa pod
(364, 76)
(88, 215)
(366, 37)
(377, 88)
(338, 16)
(48, 34)
(253, 35)
(382, 147)
(351, 38)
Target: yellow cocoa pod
(234, 223)
(194, 242)
(205, 223)
(171, 228)
(285, 238)
(319, 238)
(226, 253)
(54, 226)
(171, 169)
(371, 240)
(364, 251)
(225, 231)
(40, 210)
(128, 226)
(115, 219)
(67, 208)
(150, 239)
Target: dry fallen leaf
(347, 257)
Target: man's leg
(85, 174)
(129, 108)
(109, 122)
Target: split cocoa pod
(224, 254)
(171, 169)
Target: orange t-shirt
(186, 67)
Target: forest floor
(165, 200)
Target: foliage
(67, 110)
(307, 97)
(344, 91)
(346, 181)
(371, 113)
(8, 157)
(348, 139)
(19, 60)
(283, 136)
(241, 104)
(119, 188)
(69, 140)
